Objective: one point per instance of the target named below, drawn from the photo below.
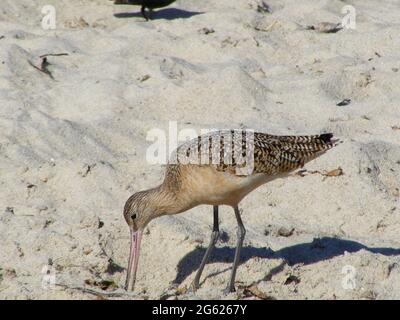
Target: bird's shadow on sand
(166, 14)
(319, 249)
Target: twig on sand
(326, 27)
(43, 67)
(268, 28)
(252, 292)
(101, 294)
(332, 173)
(54, 54)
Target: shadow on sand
(166, 14)
(319, 249)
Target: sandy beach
(74, 134)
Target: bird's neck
(162, 201)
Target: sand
(73, 145)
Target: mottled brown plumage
(272, 154)
(219, 168)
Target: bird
(218, 168)
(150, 4)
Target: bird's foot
(193, 287)
(143, 11)
(229, 289)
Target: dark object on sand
(150, 4)
(264, 7)
(43, 68)
(344, 102)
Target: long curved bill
(136, 237)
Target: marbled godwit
(222, 182)
(150, 4)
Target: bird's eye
(133, 216)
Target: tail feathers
(318, 145)
(326, 137)
(329, 140)
(308, 144)
(295, 151)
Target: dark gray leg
(241, 232)
(143, 11)
(214, 238)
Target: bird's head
(137, 214)
(139, 210)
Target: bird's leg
(143, 11)
(214, 238)
(241, 232)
